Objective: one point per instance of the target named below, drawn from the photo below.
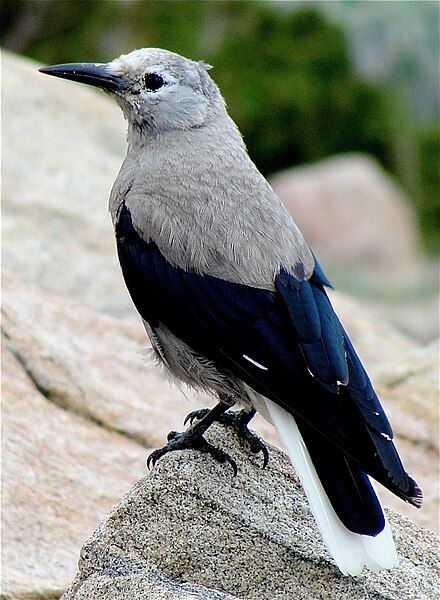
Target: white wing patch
(254, 362)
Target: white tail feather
(350, 551)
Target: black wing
(287, 344)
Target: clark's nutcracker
(234, 301)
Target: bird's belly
(196, 371)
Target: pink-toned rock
(352, 213)
(65, 147)
(93, 364)
(60, 474)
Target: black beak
(95, 74)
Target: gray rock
(251, 536)
(132, 582)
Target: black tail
(347, 487)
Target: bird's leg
(239, 421)
(193, 438)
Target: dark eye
(153, 82)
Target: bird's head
(157, 90)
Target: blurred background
(304, 81)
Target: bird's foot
(239, 421)
(190, 440)
(193, 438)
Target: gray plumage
(234, 301)
(176, 179)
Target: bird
(235, 302)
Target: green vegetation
(428, 205)
(288, 76)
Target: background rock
(81, 399)
(92, 363)
(352, 213)
(65, 147)
(363, 230)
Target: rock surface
(82, 400)
(91, 363)
(251, 536)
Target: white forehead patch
(144, 59)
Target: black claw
(154, 457)
(193, 438)
(172, 438)
(239, 421)
(196, 414)
(220, 455)
(190, 440)
(255, 444)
